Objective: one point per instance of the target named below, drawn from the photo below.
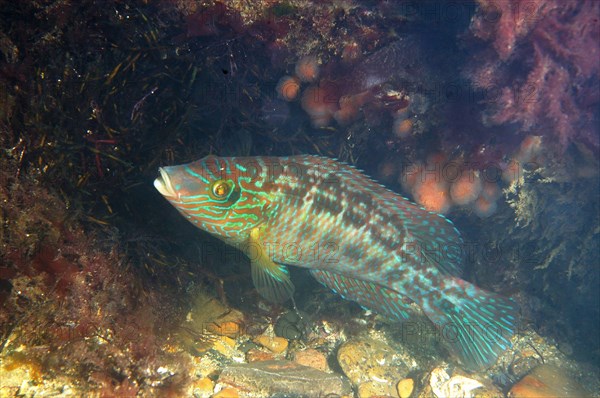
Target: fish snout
(163, 184)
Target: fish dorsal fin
(377, 298)
(430, 236)
(437, 241)
(270, 279)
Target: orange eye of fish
(220, 189)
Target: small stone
(373, 389)
(547, 381)
(203, 388)
(209, 313)
(228, 341)
(6, 391)
(367, 359)
(256, 355)
(311, 357)
(224, 345)
(283, 378)
(405, 387)
(227, 393)
(488, 392)
(27, 389)
(276, 345)
(226, 328)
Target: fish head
(215, 194)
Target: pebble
(276, 345)
(405, 387)
(224, 345)
(312, 358)
(366, 359)
(209, 313)
(547, 381)
(256, 355)
(283, 378)
(227, 393)
(373, 389)
(203, 388)
(225, 328)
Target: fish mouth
(163, 184)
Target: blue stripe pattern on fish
(358, 238)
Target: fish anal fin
(382, 300)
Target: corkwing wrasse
(356, 237)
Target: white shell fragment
(444, 386)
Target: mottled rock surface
(269, 378)
(312, 358)
(547, 381)
(366, 359)
(276, 345)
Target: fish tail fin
(478, 325)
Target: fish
(358, 238)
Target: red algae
(530, 150)
(74, 309)
(351, 52)
(542, 68)
(212, 21)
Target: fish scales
(363, 241)
(348, 229)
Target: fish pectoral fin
(270, 279)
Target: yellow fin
(270, 279)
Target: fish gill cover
(486, 112)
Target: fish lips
(163, 184)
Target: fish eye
(220, 189)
